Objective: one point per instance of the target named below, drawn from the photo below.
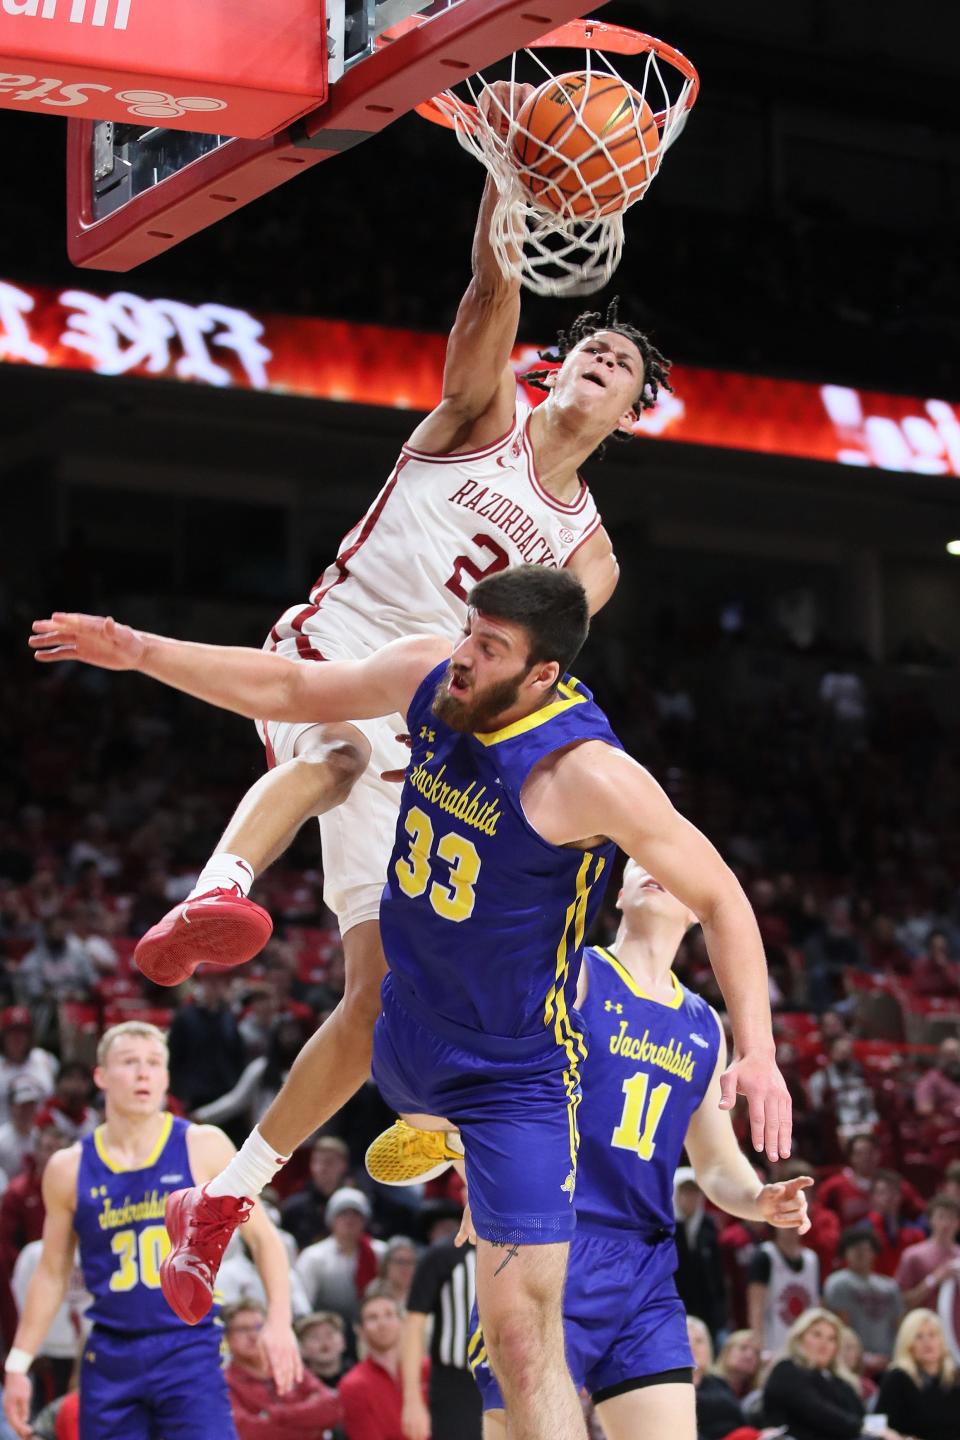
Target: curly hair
(656, 367)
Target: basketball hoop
(572, 248)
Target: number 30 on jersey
(456, 900)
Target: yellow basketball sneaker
(404, 1155)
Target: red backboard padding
(231, 67)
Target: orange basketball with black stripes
(586, 145)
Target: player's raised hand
(17, 1390)
(501, 100)
(756, 1076)
(785, 1205)
(94, 639)
(279, 1348)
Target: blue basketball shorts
(623, 1320)
(516, 1112)
(166, 1385)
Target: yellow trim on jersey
(569, 695)
(675, 1001)
(555, 1008)
(151, 1159)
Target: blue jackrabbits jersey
(483, 921)
(119, 1223)
(649, 1068)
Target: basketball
(586, 144)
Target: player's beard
(483, 706)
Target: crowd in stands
(112, 796)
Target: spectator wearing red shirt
(22, 1213)
(849, 1193)
(938, 1092)
(260, 1412)
(925, 1266)
(372, 1393)
(68, 1109)
(886, 1203)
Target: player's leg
(622, 1294)
(357, 837)
(650, 1412)
(190, 1399)
(520, 1295)
(318, 767)
(114, 1384)
(327, 762)
(335, 1061)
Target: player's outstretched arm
(599, 790)
(726, 1176)
(210, 1152)
(47, 1288)
(248, 682)
(479, 388)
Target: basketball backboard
(137, 189)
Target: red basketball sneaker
(199, 1226)
(220, 928)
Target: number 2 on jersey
(463, 565)
(455, 902)
(639, 1121)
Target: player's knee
(329, 770)
(515, 1344)
(362, 1001)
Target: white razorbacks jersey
(440, 524)
(789, 1293)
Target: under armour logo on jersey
(699, 1040)
(613, 1005)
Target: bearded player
(516, 793)
(483, 483)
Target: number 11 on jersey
(639, 1120)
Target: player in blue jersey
(144, 1374)
(651, 1086)
(516, 792)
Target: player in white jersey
(483, 483)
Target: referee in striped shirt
(441, 1298)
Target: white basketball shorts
(357, 836)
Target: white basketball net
(553, 254)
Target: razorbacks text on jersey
(482, 919)
(440, 524)
(119, 1225)
(649, 1068)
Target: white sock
(224, 872)
(253, 1167)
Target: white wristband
(18, 1362)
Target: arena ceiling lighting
(953, 547)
